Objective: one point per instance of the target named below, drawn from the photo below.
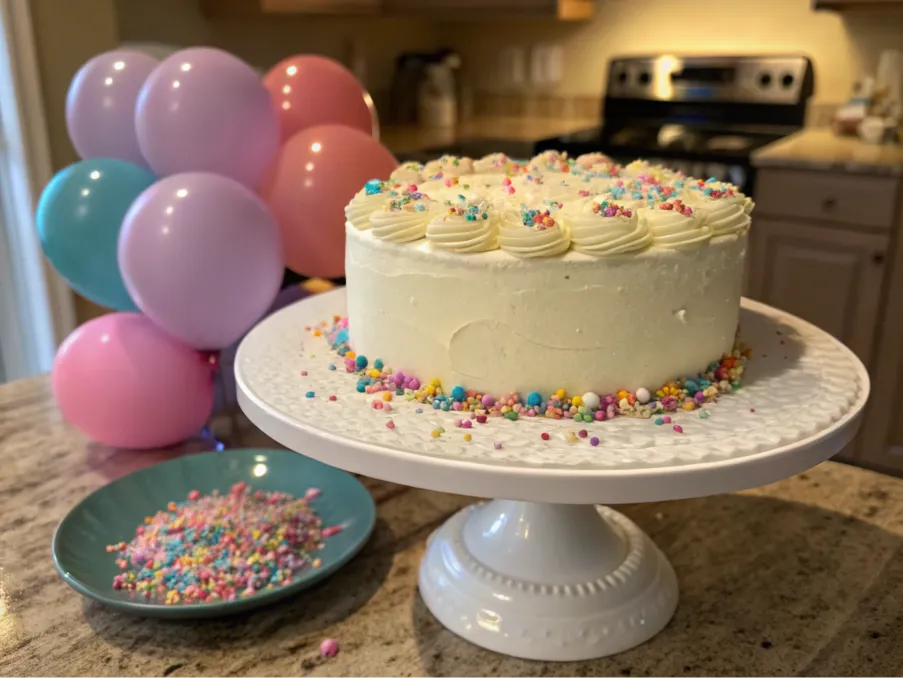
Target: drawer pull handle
(829, 204)
(878, 258)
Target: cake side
(496, 323)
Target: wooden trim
(854, 5)
(575, 10)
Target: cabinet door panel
(829, 277)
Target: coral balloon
(202, 257)
(126, 383)
(204, 110)
(313, 90)
(100, 105)
(315, 175)
(79, 217)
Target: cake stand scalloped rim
(742, 467)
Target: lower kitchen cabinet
(843, 274)
(832, 278)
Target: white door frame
(36, 306)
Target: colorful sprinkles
(686, 394)
(221, 547)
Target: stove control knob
(622, 77)
(764, 79)
(787, 80)
(645, 78)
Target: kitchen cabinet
(853, 5)
(825, 246)
(458, 10)
(479, 10)
(242, 8)
(832, 278)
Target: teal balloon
(80, 214)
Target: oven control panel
(762, 79)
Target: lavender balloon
(204, 110)
(202, 257)
(100, 105)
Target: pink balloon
(201, 255)
(100, 105)
(315, 175)
(313, 90)
(125, 383)
(204, 110)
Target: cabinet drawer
(852, 200)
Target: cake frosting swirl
(494, 163)
(465, 227)
(606, 228)
(373, 196)
(408, 173)
(403, 219)
(674, 225)
(533, 233)
(448, 166)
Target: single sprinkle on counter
(390, 424)
(309, 394)
(497, 445)
(220, 547)
(544, 435)
(435, 433)
(329, 647)
(303, 373)
(468, 437)
(594, 441)
(678, 428)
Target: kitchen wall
(840, 45)
(264, 40)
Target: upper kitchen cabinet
(256, 7)
(852, 5)
(479, 10)
(458, 10)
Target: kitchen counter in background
(820, 149)
(803, 577)
(478, 137)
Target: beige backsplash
(841, 46)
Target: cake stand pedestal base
(547, 581)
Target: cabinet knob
(829, 204)
(878, 258)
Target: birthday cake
(482, 279)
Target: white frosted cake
(579, 275)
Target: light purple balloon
(204, 110)
(100, 105)
(202, 257)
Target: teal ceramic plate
(112, 513)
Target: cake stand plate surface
(540, 572)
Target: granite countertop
(408, 138)
(803, 577)
(821, 149)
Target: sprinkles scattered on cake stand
(386, 385)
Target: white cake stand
(540, 572)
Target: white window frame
(36, 306)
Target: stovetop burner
(702, 115)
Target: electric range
(702, 115)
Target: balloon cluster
(199, 183)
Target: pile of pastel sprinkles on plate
(221, 547)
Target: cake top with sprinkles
(548, 190)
